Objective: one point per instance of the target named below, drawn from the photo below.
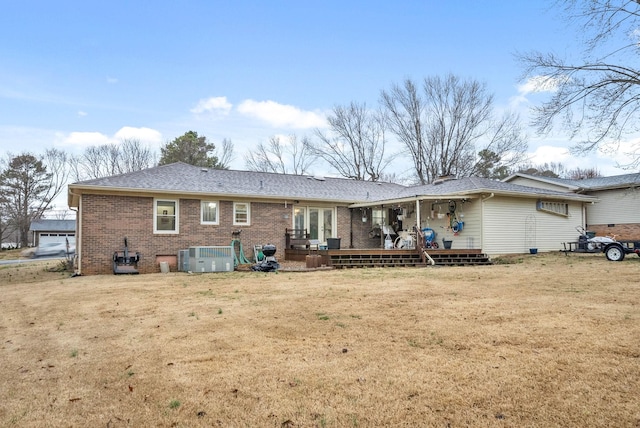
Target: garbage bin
(333, 243)
(446, 244)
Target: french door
(319, 222)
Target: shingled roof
(476, 186)
(183, 179)
(587, 184)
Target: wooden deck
(353, 257)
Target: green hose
(239, 259)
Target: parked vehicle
(54, 249)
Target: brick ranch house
(168, 208)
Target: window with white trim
(377, 217)
(165, 216)
(209, 212)
(241, 214)
(554, 207)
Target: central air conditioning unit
(183, 261)
(211, 259)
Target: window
(559, 208)
(241, 213)
(165, 216)
(377, 217)
(298, 218)
(209, 212)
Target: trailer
(587, 242)
(615, 251)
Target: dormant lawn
(541, 341)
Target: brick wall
(106, 220)
(629, 231)
(361, 230)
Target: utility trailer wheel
(614, 253)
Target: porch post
(418, 220)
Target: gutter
(197, 195)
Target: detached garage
(48, 231)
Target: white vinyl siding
(618, 206)
(522, 181)
(468, 212)
(505, 221)
(471, 235)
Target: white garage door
(46, 238)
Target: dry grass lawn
(542, 341)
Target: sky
(79, 73)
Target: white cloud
(549, 154)
(82, 113)
(621, 153)
(281, 115)
(212, 105)
(535, 84)
(82, 139)
(539, 84)
(112, 80)
(144, 135)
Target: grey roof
(476, 185)
(53, 225)
(596, 183)
(183, 178)
(615, 181)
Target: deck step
(405, 259)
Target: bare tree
(597, 97)
(355, 145)
(547, 169)
(56, 163)
(134, 156)
(290, 157)
(450, 128)
(405, 109)
(112, 159)
(505, 150)
(225, 155)
(96, 162)
(267, 158)
(583, 173)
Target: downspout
(78, 232)
(431, 261)
(488, 197)
(350, 228)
